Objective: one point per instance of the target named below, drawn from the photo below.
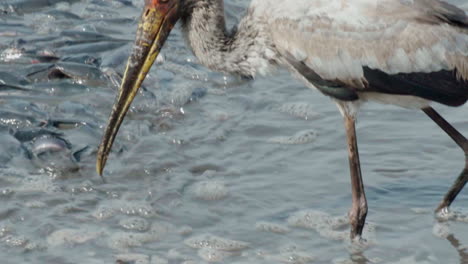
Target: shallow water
(206, 167)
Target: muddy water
(206, 168)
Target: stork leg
(463, 143)
(357, 214)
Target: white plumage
(337, 38)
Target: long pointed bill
(155, 25)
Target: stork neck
(243, 51)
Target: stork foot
(462, 142)
(457, 186)
(357, 218)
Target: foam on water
(158, 260)
(39, 183)
(210, 190)
(214, 242)
(134, 223)
(116, 207)
(126, 240)
(452, 215)
(302, 137)
(293, 258)
(71, 237)
(132, 258)
(335, 228)
(214, 255)
(441, 230)
(271, 227)
(299, 109)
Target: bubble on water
(302, 137)
(271, 227)
(63, 6)
(313, 219)
(15, 241)
(213, 255)
(160, 59)
(134, 223)
(218, 115)
(111, 208)
(418, 210)
(138, 4)
(71, 236)
(35, 204)
(359, 244)
(11, 54)
(449, 215)
(204, 168)
(136, 129)
(176, 254)
(215, 242)
(6, 192)
(38, 183)
(415, 259)
(299, 109)
(104, 212)
(20, 241)
(125, 240)
(328, 226)
(5, 229)
(159, 229)
(288, 254)
(158, 260)
(293, 258)
(210, 190)
(441, 230)
(185, 230)
(181, 95)
(132, 258)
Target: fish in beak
(157, 20)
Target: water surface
(206, 167)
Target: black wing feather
(442, 86)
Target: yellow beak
(155, 25)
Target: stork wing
(417, 47)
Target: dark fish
(85, 35)
(9, 78)
(10, 148)
(91, 47)
(115, 79)
(197, 93)
(68, 124)
(49, 143)
(116, 58)
(59, 14)
(8, 90)
(54, 154)
(78, 72)
(27, 6)
(13, 27)
(83, 59)
(29, 134)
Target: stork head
(156, 22)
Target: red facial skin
(162, 5)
